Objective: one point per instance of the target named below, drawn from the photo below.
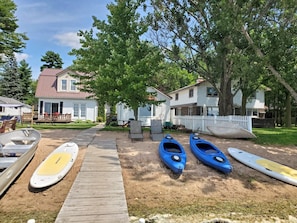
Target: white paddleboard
(268, 167)
(55, 166)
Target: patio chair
(156, 131)
(2, 127)
(10, 124)
(135, 131)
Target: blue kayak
(172, 154)
(209, 154)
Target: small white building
(10, 107)
(147, 113)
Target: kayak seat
(206, 148)
(211, 151)
(172, 148)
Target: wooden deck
(97, 194)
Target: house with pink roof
(58, 93)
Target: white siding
(202, 96)
(258, 103)
(68, 106)
(68, 79)
(161, 111)
(183, 97)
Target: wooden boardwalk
(97, 194)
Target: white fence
(200, 123)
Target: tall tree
(51, 60)
(10, 40)
(271, 32)
(25, 75)
(120, 65)
(197, 35)
(10, 80)
(214, 32)
(171, 77)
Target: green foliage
(79, 125)
(10, 40)
(225, 42)
(172, 77)
(276, 136)
(16, 81)
(101, 113)
(10, 80)
(51, 60)
(120, 64)
(25, 75)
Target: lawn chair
(2, 127)
(10, 124)
(135, 131)
(156, 131)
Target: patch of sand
(148, 183)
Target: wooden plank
(97, 194)
(120, 218)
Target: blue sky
(52, 25)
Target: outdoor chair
(156, 131)
(135, 131)
(2, 127)
(10, 125)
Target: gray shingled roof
(9, 101)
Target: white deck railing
(200, 123)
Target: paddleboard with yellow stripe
(55, 166)
(268, 167)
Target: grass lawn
(276, 136)
(72, 125)
(265, 136)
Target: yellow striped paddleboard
(55, 166)
(268, 167)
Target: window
(176, 96)
(64, 85)
(75, 110)
(191, 93)
(2, 109)
(252, 96)
(79, 110)
(73, 86)
(211, 92)
(83, 110)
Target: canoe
(173, 154)
(17, 149)
(55, 167)
(266, 166)
(230, 131)
(209, 154)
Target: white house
(58, 93)
(201, 98)
(10, 107)
(145, 114)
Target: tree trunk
(226, 97)
(288, 118)
(135, 110)
(243, 104)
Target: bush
(100, 119)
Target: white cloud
(69, 39)
(21, 56)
